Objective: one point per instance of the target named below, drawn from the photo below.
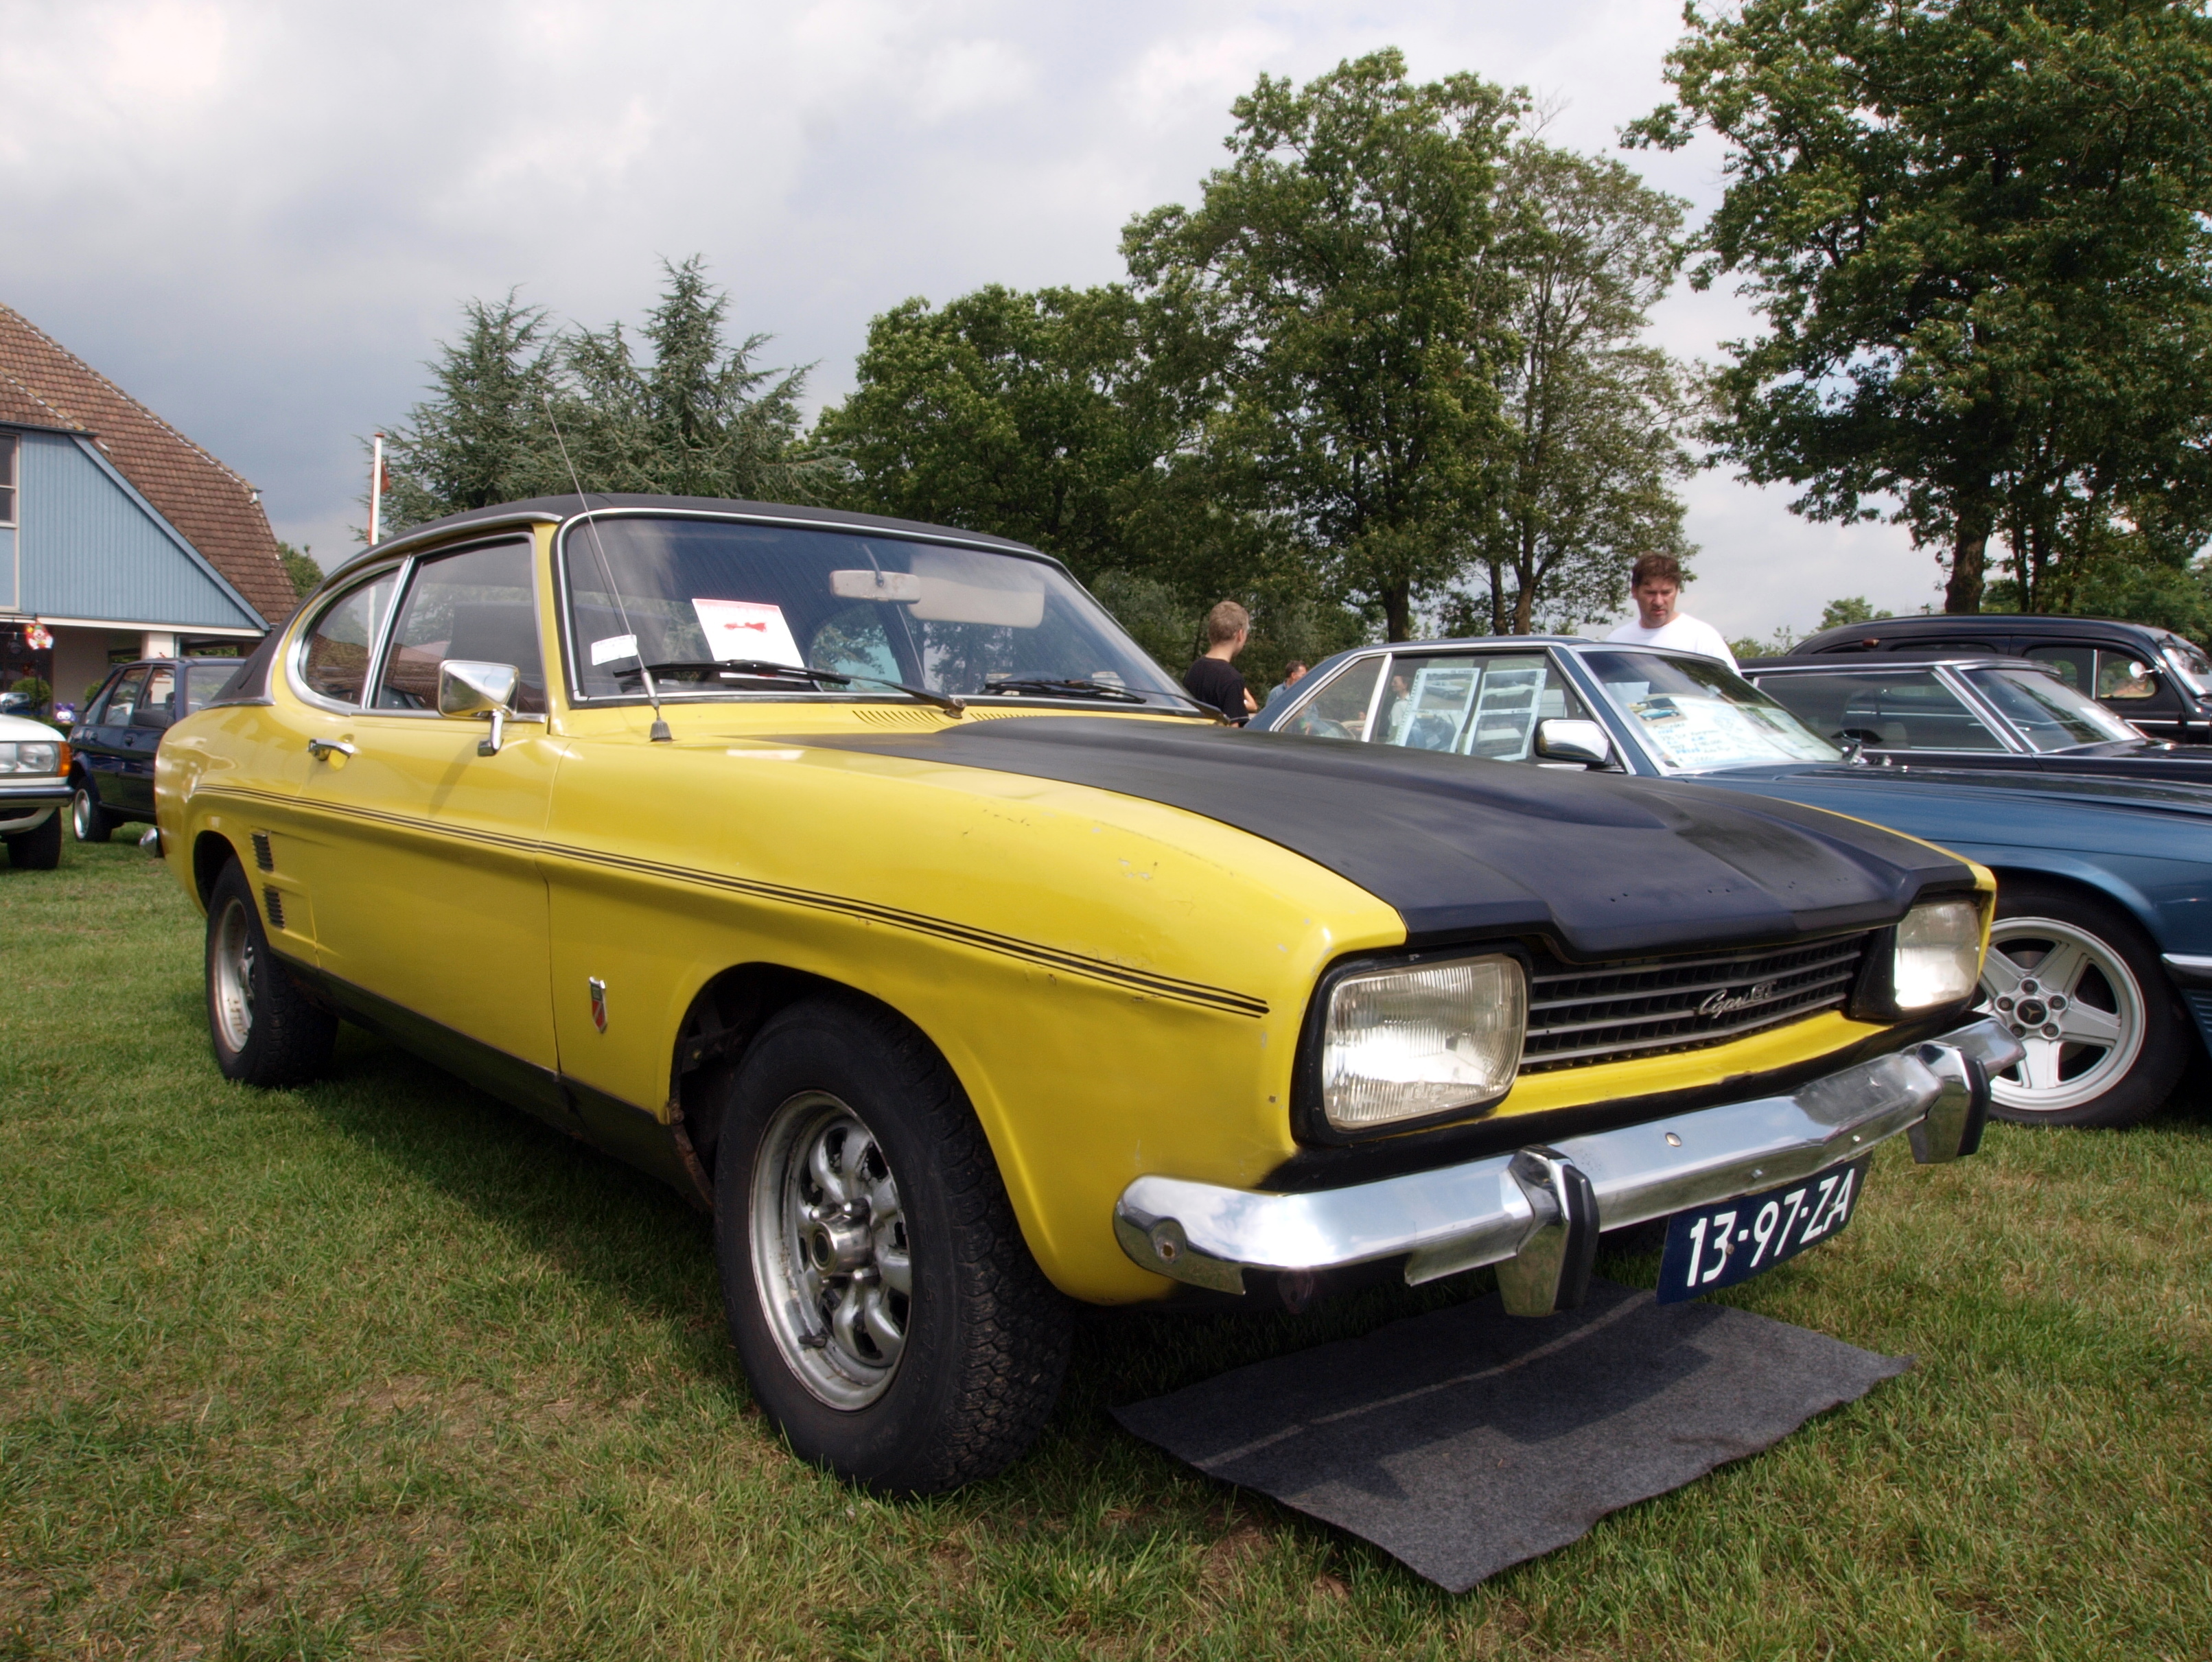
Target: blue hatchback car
(2100, 958)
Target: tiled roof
(43, 385)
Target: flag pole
(375, 489)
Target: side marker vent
(262, 856)
(275, 902)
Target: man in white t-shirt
(1655, 583)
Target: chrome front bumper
(1536, 1212)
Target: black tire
(265, 1030)
(40, 848)
(91, 822)
(2122, 987)
(983, 1337)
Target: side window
(479, 605)
(335, 663)
(157, 707)
(1473, 704)
(1905, 710)
(1339, 709)
(855, 640)
(204, 681)
(2074, 665)
(2124, 675)
(123, 700)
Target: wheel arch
(211, 852)
(2090, 882)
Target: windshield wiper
(761, 668)
(1077, 687)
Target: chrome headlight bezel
(1310, 1120)
(1879, 997)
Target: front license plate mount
(1709, 1247)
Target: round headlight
(1404, 1044)
(1939, 954)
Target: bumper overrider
(1536, 1213)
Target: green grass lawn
(382, 1369)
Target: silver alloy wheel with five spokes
(2075, 1005)
(830, 1250)
(232, 963)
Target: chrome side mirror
(468, 689)
(1562, 740)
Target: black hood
(1605, 866)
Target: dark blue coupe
(2101, 952)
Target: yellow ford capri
(865, 882)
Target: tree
(698, 419)
(300, 567)
(1015, 414)
(1851, 608)
(1587, 249)
(1336, 265)
(1976, 231)
(701, 419)
(480, 437)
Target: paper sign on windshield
(746, 629)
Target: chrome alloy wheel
(232, 964)
(2072, 1001)
(830, 1250)
(81, 813)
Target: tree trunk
(1496, 596)
(1398, 611)
(1970, 549)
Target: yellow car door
(426, 897)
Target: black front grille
(1579, 1014)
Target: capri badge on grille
(1723, 1001)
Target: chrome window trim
(295, 650)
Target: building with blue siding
(120, 538)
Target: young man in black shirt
(1212, 679)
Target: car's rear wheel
(265, 1028)
(40, 848)
(87, 819)
(2081, 988)
(886, 1309)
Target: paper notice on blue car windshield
(739, 630)
(1697, 733)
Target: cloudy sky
(260, 217)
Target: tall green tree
(1338, 264)
(1976, 231)
(695, 415)
(480, 437)
(1593, 412)
(1017, 414)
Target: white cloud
(261, 218)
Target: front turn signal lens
(1409, 1043)
(1939, 954)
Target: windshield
(2190, 663)
(2049, 713)
(1694, 714)
(692, 594)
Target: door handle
(324, 749)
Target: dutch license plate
(1732, 1240)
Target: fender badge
(598, 1002)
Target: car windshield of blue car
(1695, 714)
(2189, 663)
(2050, 714)
(709, 607)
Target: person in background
(1292, 675)
(1655, 582)
(1213, 678)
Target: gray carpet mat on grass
(1467, 1439)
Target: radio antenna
(659, 733)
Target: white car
(33, 790)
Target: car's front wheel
(888, 1313)
(40, 848)
(2081, 988)
(91, 822)
(265, 1028)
